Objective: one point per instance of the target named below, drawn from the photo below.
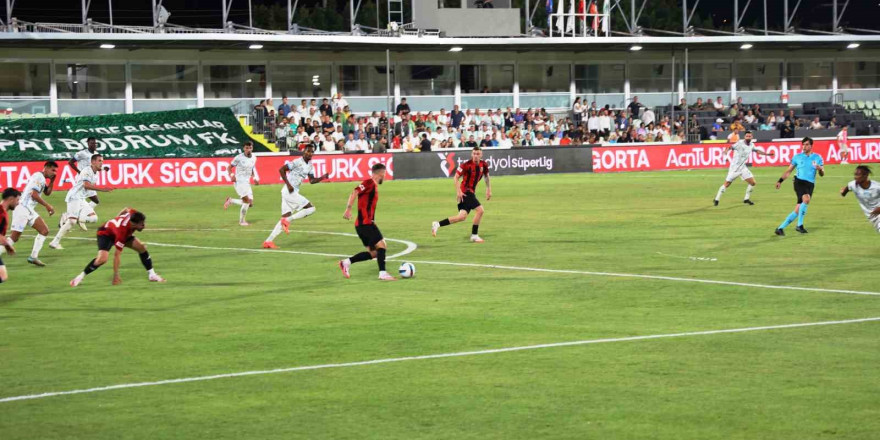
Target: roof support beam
(86, 4)
(291, 11)
(10, 4)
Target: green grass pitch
(226, 310)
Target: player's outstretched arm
(347, 214)
(36, 196)
(764, 153)
(784, 176)
(89, 186)
(72, 164)
(844, 191)
(875, 213)
(283, 172)
(117, 257)
(313, 180)
(9, 248)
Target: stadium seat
(877, 112)
(66, 115)
(869, 105)
(877, 104)
(860, 105)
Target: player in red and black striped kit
(470, 174)
(119, 233)
(368, 197)
(11, 197)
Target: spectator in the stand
(833, 122)
(750, 118)
(698, 105)
(325, 108)
(791, 116)
(605, 123)
(718, 105)
(734, 111)
(351, 144)
(402, 108)
(527, 140)
(717, 128)
(509, 120)
(566, 138)
(404, 127)
(425, 144)
(765, 126)
(303, 109)
(504, 141)
(381, 146)
(648, 116)
(471, 142)
(339, 101)
(456, 117)
(772, 121)
(593, 122)
(284, 108)
(486, 141)
(442, 118)
(682, 105)
(787, 130)
(362, 143)
(816, 124)
(634, 107)
(340, 145)
(577, 110)
(539, 140)
(759, 114)
(348, 125)
(338, 135)
(737, 126)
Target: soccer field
(636, 270)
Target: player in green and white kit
(741, 151)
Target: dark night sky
(206, 13)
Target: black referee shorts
(469, 202)
(369, 234)
(801, 188)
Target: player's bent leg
(3, 275)
(42, 232)
(141, 249)
(304, 212)
(283, 224)
(381, 248)
(65, 228)
(91, 267)
(802, 212)
(478, 215)
(751, 187)
(721, 191)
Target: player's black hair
(95, 156)
(477, 148)
(248, 143)
(865, 169)
(747, 132)
(807, 139)
(11, 192)
(91, 138)
(309, 147)
(138, 217)
(378, 167)
(50, 164)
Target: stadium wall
(172, 172)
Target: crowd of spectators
(332, 126)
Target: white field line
(431, 356)
(409, 249)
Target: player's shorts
(76, 207)
(292, 202)
(469, 202)
(801, 188)
(743, 173)
(844, 148)
(22, 218)
(106, 243)
(243, 189)
(369, 235)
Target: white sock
(92, 204)
(303, 213)
(243, 213)
(81, 275)
(38, 244)
(749, 190)
(720, 192)
(151, 272)
(65, 228)
(236, 201)
(275, 231)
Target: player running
(242, 168)
(867, 193)
(293, 205)
(39, 184)
(741, 151)
(368, 197)
(11, 197)
(119, 232)
(470, 172)
(843, 143)
(77, 198)
(79, 162)
(807, 164)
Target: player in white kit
(241, 169)
(843, 143)
(293, 205)
(77, 197)
(741, 151)
(79, 162)
(38, 185)
(867, 193)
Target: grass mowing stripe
(434, 356)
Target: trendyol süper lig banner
(687, 156)
(154, 173)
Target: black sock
(444, 222)
(380, 257)
(363, 256)
(90, 267)
(146, 261)
(474, 229)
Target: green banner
(206, 132)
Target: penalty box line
(432, 356)
(411, 247)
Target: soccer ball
(407, 270)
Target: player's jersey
(804, 164)
(741, 152)
(117, 228)
(78, 190)
(244, 167)
(471, 173)
(297, 171)
(4, 220)
(869, 199)
(83, 159)
(37, 182)
(368, 198)
(843, 138)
